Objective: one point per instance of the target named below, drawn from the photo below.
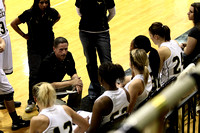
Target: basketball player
(6, 93)
(6, 56)
(168, 50)
(54, 118)
(113, 103)
(137, 85)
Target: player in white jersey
(169, 51)
(54, 118)
(6, 94)
(113, 103)
(143, 42)
(140, 97)
(6, 56)
(136, 86)
(120, 104)
(171, 66)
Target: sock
(14, 116)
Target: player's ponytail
(154, 62)
(146, 74)
(161, 30)
(45, 94)
(139, 60)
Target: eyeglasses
(42, 2)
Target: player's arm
(4, 4)
(77, 119)
(164, 53)
(134, 90)
(38, 124)
(102, 107)
(2, 45)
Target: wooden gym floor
(133, 17)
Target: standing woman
(95, 37)
(168, 50)
(40, 19)
(54, 118)
(192, 47)
(136, 87)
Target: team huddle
(50, 60)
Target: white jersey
(6, 56)
(59, 120)
(173, 65)
(5, 87)
(144, 94)
(120, 104)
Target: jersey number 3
(2, 28)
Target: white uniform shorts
(6, 56)
(5, 86)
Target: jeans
(92, 43)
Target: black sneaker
(20, 123)
(1, 131)
(2, 105)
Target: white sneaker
(29, 108)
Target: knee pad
(8, 97)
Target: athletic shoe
(20, 123)
(1, 131)
(30, 107)
(2, 105)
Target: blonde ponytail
(139, 59)
(45, 94)
(146, 74)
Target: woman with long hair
(168, 50)
(136, 87)
(192, 46)
(143, 42)
(40, 19)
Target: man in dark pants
(55, 66)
